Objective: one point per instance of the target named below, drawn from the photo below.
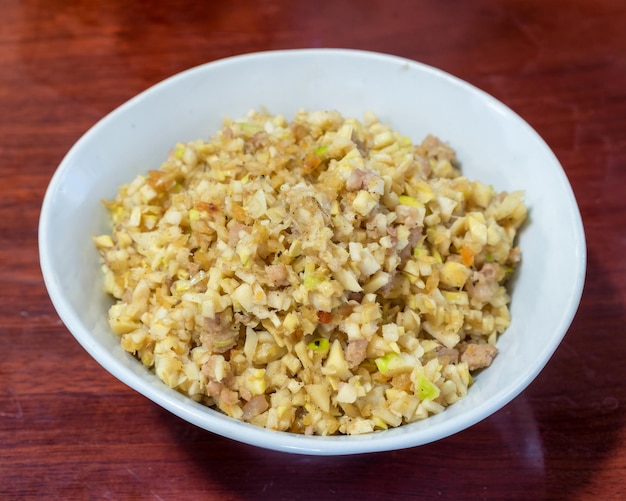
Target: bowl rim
(220, 424)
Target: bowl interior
(493, 144)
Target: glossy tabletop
(69, 430)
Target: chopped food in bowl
(317, 276)
(384, 258)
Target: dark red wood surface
(69, 430)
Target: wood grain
(69, 430)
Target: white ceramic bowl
(493, 143)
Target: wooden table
(69, 430)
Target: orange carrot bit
(324, 317)
(467, 256)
